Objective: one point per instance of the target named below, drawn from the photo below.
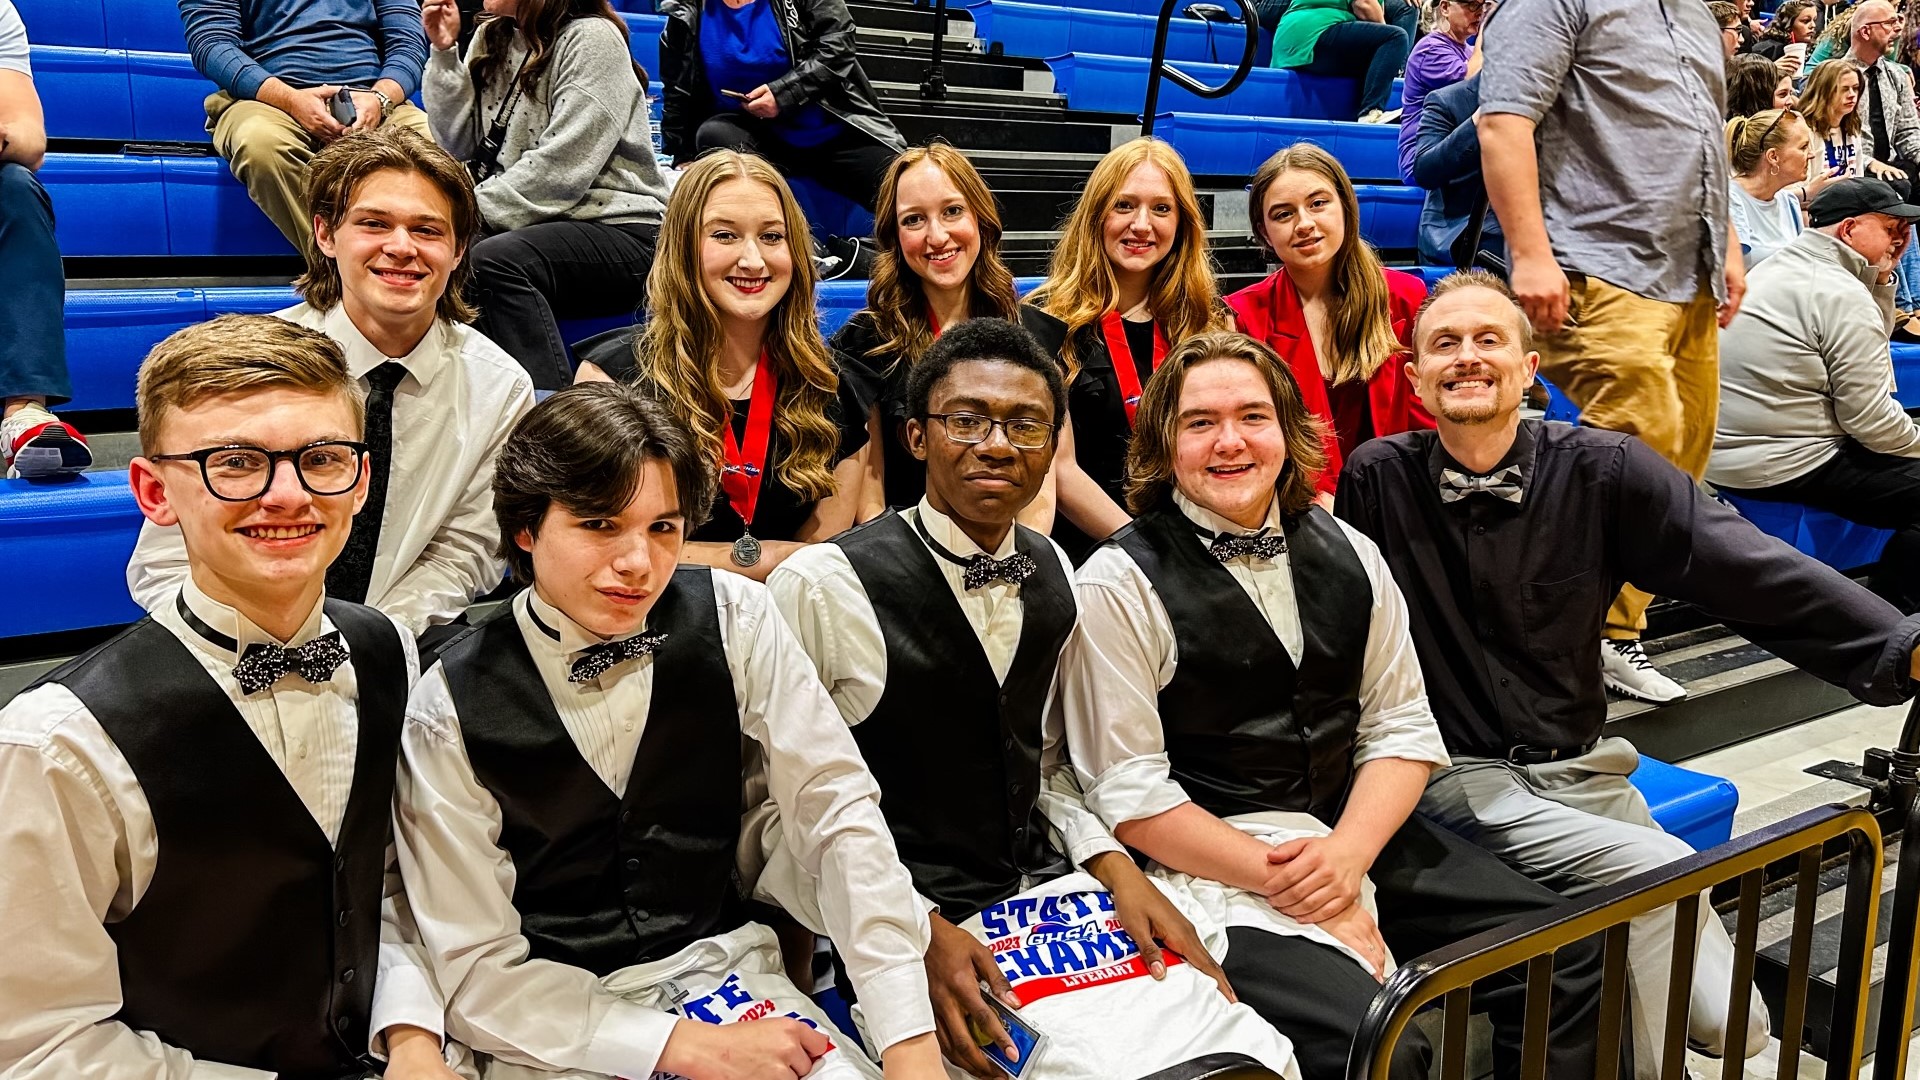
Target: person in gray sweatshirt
(1807, 412)
(550, 113)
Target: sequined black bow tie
(1501, 484)
(984, 570)
(1227, 546)
(263, 663)
(597, 660)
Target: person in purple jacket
(1441, 58)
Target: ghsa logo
(1053, 931)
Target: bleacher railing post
(934, 88)
(1901, 984)
(1250, 21)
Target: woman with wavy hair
(937, 264)
(1129, 276)
(732, 347)
(1793, 24)
(1831, 105)
(1341, 321)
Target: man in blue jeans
(33, 352)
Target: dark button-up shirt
(1506, 600)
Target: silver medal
(746, 550)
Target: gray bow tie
(1501, 484)
(597, 660)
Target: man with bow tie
(938, 631)
(575, 773)
(1245, 709)
(1509, 538)
(196, 817)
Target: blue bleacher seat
(1118, 84)
(107, 205)
(84, 92)
(1390, 216)
(1027, 29)
(108, 331)
(1830, 538)
(644, 31)
(75, 536)
(210, 213)
(81, 23)
(1906, 374)
(168, 97)
(1693, 806)
(1236, 145)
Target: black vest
(956, 752)
(257, 942)
(605, 882)
(1245, 730)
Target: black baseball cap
(1858, 195)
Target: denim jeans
(1379, 49)
(33, 347)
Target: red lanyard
(933, 321)
(743, 472)
(1122, 356)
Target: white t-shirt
(1763, 227)
(13, 40)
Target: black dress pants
(525, 280)
(1877, 490)
(850, 164)
(1432, 888)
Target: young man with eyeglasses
(393, 217)
(938, 633)
(196, 816)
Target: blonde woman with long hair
(1341, 321)
(733, 348)
(1129, 278)
(937, 264)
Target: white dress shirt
(439, 542)
(461, 881)
(1126, 652)
(822, 598)
(78, 839)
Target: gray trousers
(1575, 826)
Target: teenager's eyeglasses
(972, 428)
(244, 473)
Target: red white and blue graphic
(1047, 945)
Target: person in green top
(1339, 37)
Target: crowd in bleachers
(1175, 623)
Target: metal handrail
(1450, 972)
(1249, 19)
(934, 87)
(1901, 985)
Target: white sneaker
(1625, 669)
(37, 444)
(1373, 116)
(1392, 116)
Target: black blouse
(883, 383)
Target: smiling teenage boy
(393, 218)
(575, 772)
(938, 632)
(197, 815)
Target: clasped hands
(1315, 881)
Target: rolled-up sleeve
(1395, 719)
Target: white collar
(548, 620)
(1215, 524)
(950, 536)
(423, 363)
(228, 622)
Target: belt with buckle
(1541, 755)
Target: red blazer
(1271, 311)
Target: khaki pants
(268, 152)
(1645, 367)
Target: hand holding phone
(1029, 1041)
(342, 107)
(734, 94)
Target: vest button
(633, 866)
(642, 914)
(341, 1022)
(340, 864)
(626, 816)
(345, 914)
(346, 976)
(1009, 744)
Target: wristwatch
(387, 104)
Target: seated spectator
(1336, 316)
(1728, 17)
(550, 113)
(1768, 152)
(393, 217)
(1807, 412)
(33, 346)
(1446, 162)
(1834, 34)
(578, 881)
(936, 264)
(1345, 37)
(279, 64)
(1754, 85)
(777, 78)
(1129, 277)
(1793, 24)
(732, 347)
(1830, 104)
(1888, 116)
(1440, 59)
(1750, 28)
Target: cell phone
(734, 94)
(342, 107)
(1030, 1041)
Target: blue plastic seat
(1906, 374)
(1390, 215)
(81, 23)
(644, 43)
(1103, 83)
(1832, 539)
(1236, 145)
(76, 538)
(105, 24)
(1691, 805)
(1027, 29)
(84, 91)
(133, 205)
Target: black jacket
(826, 71)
